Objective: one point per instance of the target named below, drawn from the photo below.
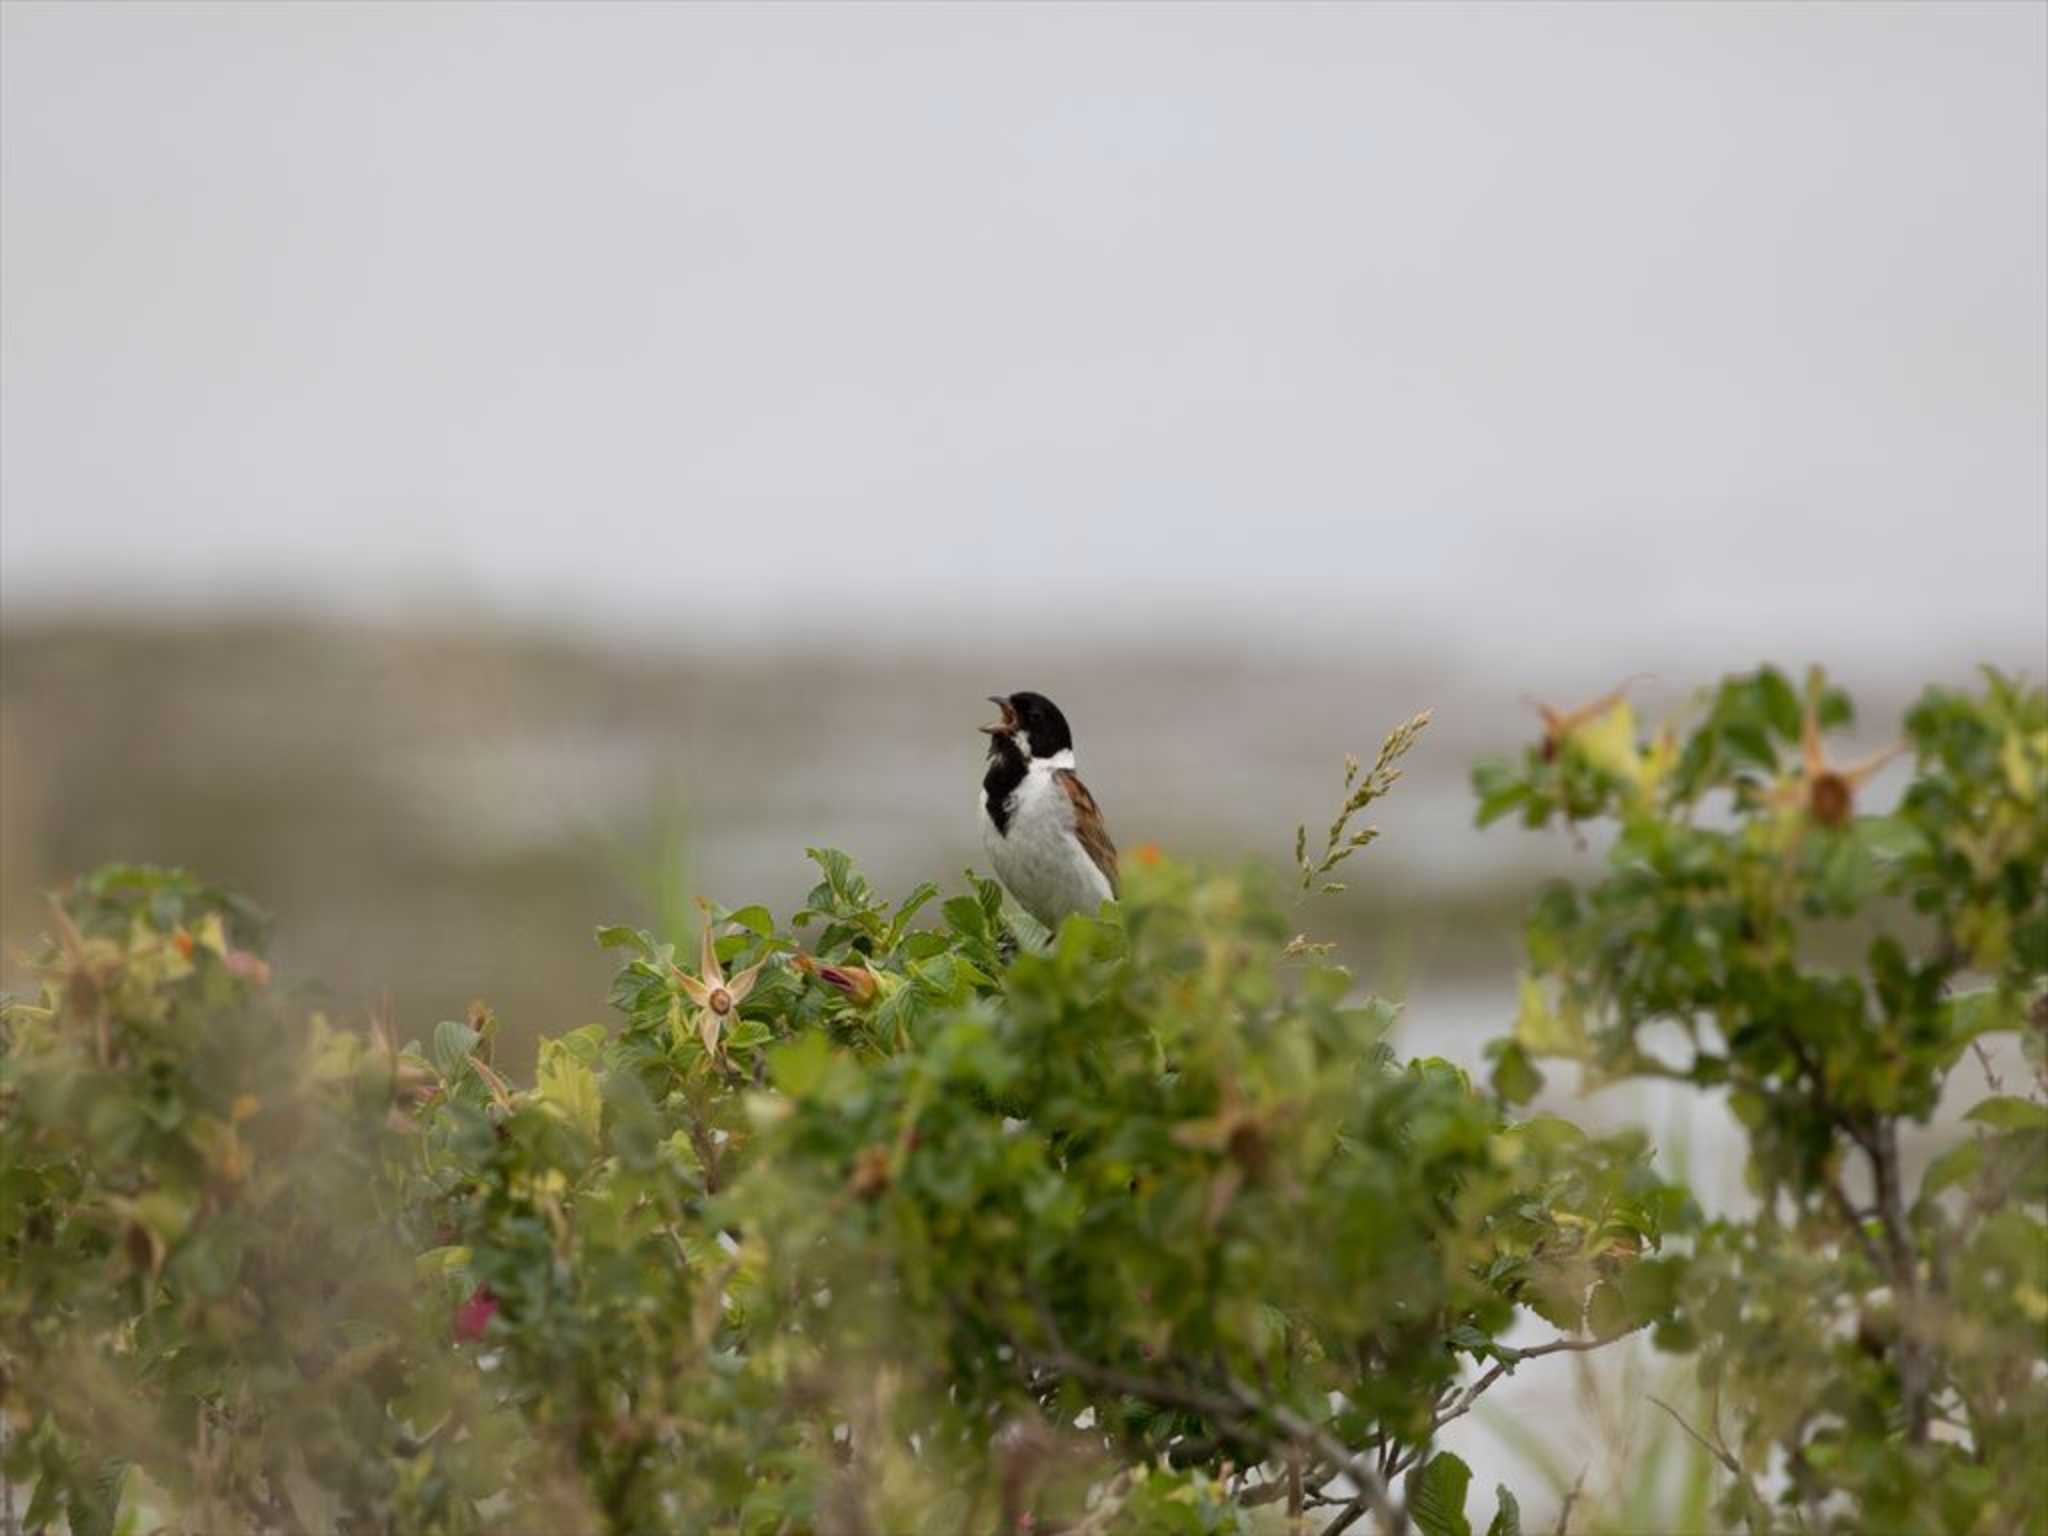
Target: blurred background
(475, 472)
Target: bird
(1042, 829)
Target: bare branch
(1840, 1200)
(1372, 1491)
(1461, 1404)
(1239, 1409)
(1916, 1364)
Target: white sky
(1574, 326)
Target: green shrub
(884, 1220)
(1877, 1339)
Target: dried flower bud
(859, 983)
(871, 1172)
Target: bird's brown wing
(1088, 826)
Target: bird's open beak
(1007, 726)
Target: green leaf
(1607, 1312)
(569, 1088)
(45, 1504)
(946, 977)
(964, 915)
(1031, 933)
(798, 1066)
(755, 919)
(2008, 1113)
(1493, 807)
(1985, 1011)
(1507, 1518)
(92, 1508)
(1848, 874)
(1436, 1496)
(1749, 743)
(746, 1033)
(618, 936)
(1890, 838)
(1515, 1077)
(1958, 1165)
(1545, 1031)
(1780, 703)
(911, 905)
(453, 1041)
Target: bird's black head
(1032, 723)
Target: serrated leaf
(912, 903)
(453, 1041)
(92, 1507)
(569, 1088)
(755, 919)
(1436, 1496)
(619, 936)
(1607, 1311)
(1031, 933)
(964, 915)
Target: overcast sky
(1526, 325)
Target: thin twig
(1854, 1222)
(1571, 1497)
(1991, 1078)
(1718, 1449)
(1241, 1411)
(1114, 1497)
(1362, 1474)
(1461, 1404)
(1705, 1444)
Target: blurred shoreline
(441, 813)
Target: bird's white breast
(1037, 857)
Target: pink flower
(475, 1314)
(251, 968)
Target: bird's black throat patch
(1006, 769)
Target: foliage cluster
(1874, 1332)
(879, 1219)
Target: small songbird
(1040, 825)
